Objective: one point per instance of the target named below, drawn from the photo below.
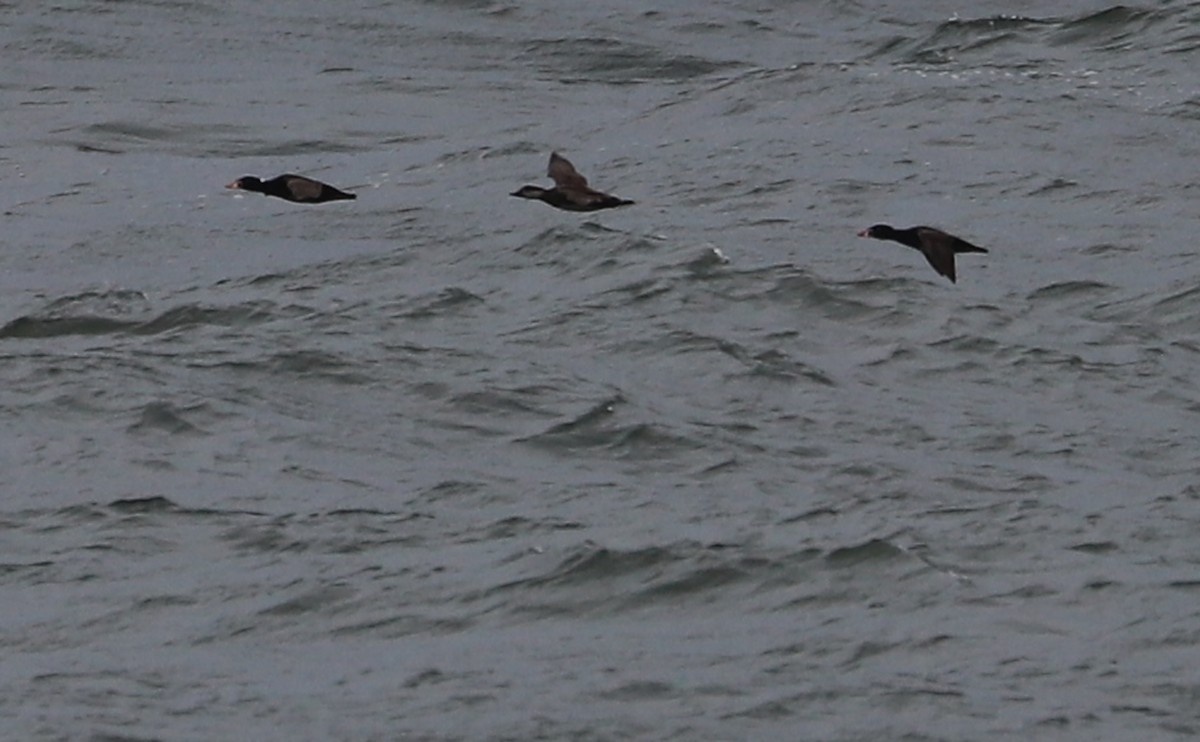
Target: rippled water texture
(442, 464)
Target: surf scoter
(937, 246)
(570, 191)
(296, 188)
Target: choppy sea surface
(442, 464)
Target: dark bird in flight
(570, 191)
(937, 246)
(296, 188)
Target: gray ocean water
(442, 464)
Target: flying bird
(938, 247)
(295, 188)
(570, 191)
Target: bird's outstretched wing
(563, 173)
